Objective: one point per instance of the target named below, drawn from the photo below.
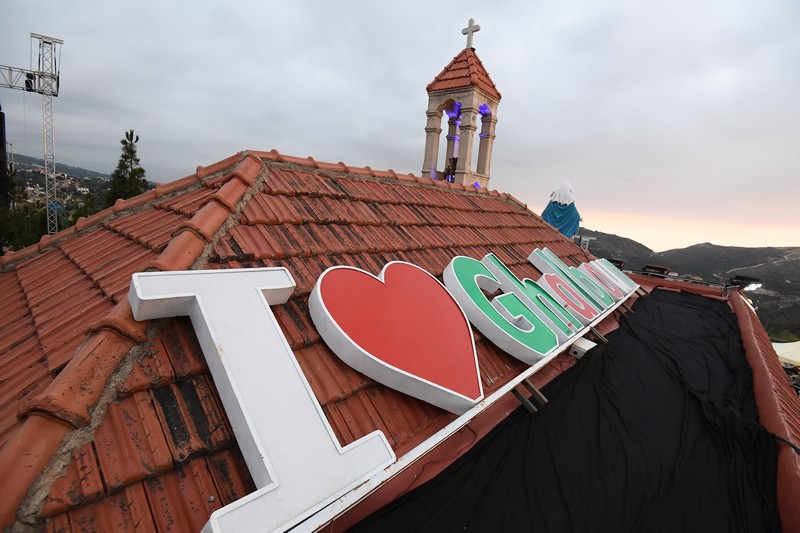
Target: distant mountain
(25, 161)
(778, 301)
(709, 260)
(635, 255)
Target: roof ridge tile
(362, 171)
(332, 167)
(73, 393)
(296, 160)
(204, 172)
(181, 251)
(163, 189)
(13, 256)
(48, 240)
(207, 220)
(247, 169)
(134, 201)
(272, 155)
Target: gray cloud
(680, 109)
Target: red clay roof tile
(81, 485)
(332, 167)
(72, 395)
(125, 511)
(177, 185)
(247, 169)
(178, 342)
(17, 255)
(22, 382)
(182, 250)
(151, 371)
(230, 475)
(360, 415)
(29, 448)
(124, 204)
(183, 499)
(188, 202)
(130, 442)
(330, 379)
(207, 220)
(153, 228)
(16, 322)
(192, 418)
(60, 322)
(254, 242)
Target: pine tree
(128, 178)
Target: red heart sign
(402, 329)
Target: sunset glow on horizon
(661, 233)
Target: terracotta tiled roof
(127, 411)
(465, 70)
(107, 423)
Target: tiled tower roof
(465, 70)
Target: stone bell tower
(465, 93)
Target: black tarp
(655, 431)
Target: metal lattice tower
(44, 81)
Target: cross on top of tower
(469, 31)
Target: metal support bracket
(535, 402)
(524, 401)
(536, 394)
(598, 335)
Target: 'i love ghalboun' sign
(403, 328)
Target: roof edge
(781, 418)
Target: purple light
(455, 111)
(476, 185)
(484, 109)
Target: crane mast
(44, 80)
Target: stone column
(488, 123)
(451, 151)
(432, 132)
(467, 134)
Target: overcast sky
(676, 122)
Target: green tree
(85, 209)
(22, 226)
(21, 223)
(128, 178)
(16, 191)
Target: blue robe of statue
(565, 218)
